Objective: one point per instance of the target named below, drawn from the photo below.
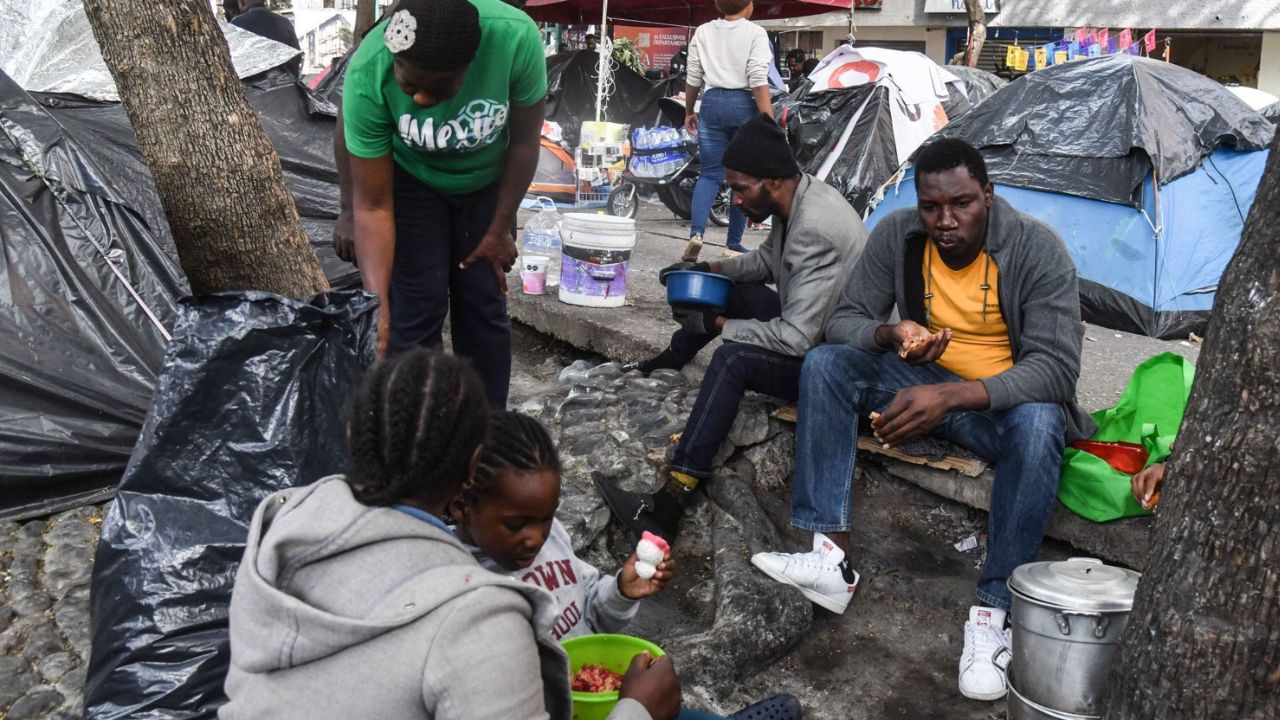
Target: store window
(809, 41)
(1225, 57)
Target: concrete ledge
(1122, 541)
(607, 331)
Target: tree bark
(1204, 637)
(366, 11)
(219, 179)
(977, 31)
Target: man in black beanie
(815, 241)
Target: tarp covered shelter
(1098, 127)
(90, 279)
(866, 111)
(1147, 170)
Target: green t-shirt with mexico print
(457, 146)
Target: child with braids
(507, 513)
(355, 600)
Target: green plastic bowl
(613, 652)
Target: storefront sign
(957, 6)
(657, 45)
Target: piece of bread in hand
(912, 344)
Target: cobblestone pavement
(44, 617)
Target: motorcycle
(675, 189)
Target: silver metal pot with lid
(1068, 617)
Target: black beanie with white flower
(435, 35)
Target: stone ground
(44, 619)
(736, 636)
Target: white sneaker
(987, 651)
(816, 574)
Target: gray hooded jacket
(1039, 300)
(808, 257)
(342, 610)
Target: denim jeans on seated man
(840, 384)
(735, 368)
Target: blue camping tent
(1147, 171)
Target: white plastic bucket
(596, 251)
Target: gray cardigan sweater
(1039, 300)
(823, 239)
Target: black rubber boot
(778, 707)
(665, 360)
(658, 513)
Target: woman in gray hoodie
(354, 599)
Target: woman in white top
(729, 61)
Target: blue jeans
(436, 231)
(839, 385)
(721, 114)
(735, 368)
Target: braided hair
(434, 35)
(416, 421)
(517, 444)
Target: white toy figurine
(650, 552)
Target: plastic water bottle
(645, 165)
(542, 237)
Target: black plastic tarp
(88, 263)
(1272, 112)
(571, 94)
(978, 85)
(251, 400)
(1097, 127)
(88, 283)
(815, 124)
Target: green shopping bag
(1149, 413)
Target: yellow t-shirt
(978, 349)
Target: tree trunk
(977, 31)
(218, 177)
(366, 11)
(1204, 637)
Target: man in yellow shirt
(987, 356)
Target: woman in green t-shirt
(442, 107)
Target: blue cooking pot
(690, 287)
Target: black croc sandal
(778, 707)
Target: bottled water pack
(660, 164)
